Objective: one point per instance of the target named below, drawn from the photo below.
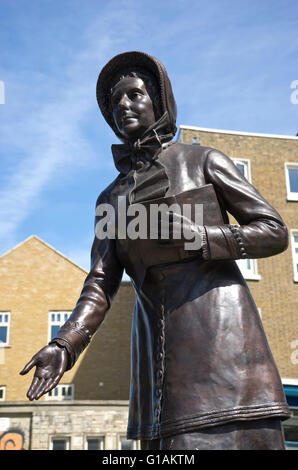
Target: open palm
(51, 363)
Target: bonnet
(132, 61)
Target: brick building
(270, 162)
(40, 286)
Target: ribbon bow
(143, 149)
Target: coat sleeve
(99, 289)
(261, 231)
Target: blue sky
(231, 64)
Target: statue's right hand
(51, 363)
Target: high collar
(145, 149)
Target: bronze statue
(202, 376)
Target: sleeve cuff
(74, 337)
(224, 242)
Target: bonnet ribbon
(145, 148)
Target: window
(292, 181)
(249, 269)
(56, 320)
(95, 443)
(290, 431)
(61, 392)
(243, 166)
(290, 426)
(126, 444)
(60, 443)
(2, 392)
(4, 328)
(294, 240)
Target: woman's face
(132, 107)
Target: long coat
(199, 354)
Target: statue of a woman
(202, 374)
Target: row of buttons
(160, 364)
(235, 230)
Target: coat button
(159, 356)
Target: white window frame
(133, 442)
(247, 169)
(51, 396)
(294, 232)
(101, 440)
(3, 389)
(248, 274)
(5, 323)
(58, 438)
(291, 196)
(51, 322)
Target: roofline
(128, 281)
(46, 244)
(221, 131)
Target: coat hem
(193, 423)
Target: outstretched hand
(51, 363)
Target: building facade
(270, 163)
